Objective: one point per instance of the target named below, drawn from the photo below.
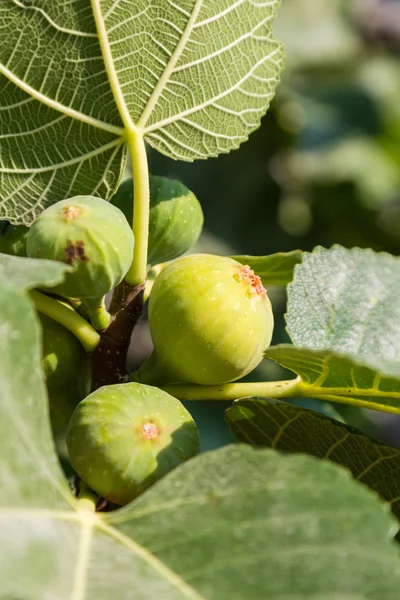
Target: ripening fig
(93, 237)
(66, 368)
(176, 218)
(13, 238)
(124, 437)
(210, 320)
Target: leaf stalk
(65, 315)
(141, 209)
(233, 391)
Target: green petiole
(232, 391)
(66, 315)
(141, 210)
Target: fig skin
(13, 239)
(92, 236)
(176, 217)
(66, 368)
(124, 437)
(210, 320)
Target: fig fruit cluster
(210, 320)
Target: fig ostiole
(93, 237)
(210, 320)
(175, 220)
(124, 437)
(66, 369)
(13, 239)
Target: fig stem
(141, 207)
(98, 315)
(87, 498)
(233, 391)
(109, 359)
(66, 315)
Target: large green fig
(66, 368)
(13, 238)
(93, 237)
(210, 319)
(176, 217)
(124, 437)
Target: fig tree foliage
(82, 83)
(78, 77)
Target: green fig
(210, 320)
(124, 437)
(93, 237)
(176, 218)
(66, 368)
(13, 238)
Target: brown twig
(109, 359)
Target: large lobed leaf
(236, 523)
(193, 76)
(344, 321)
(293, 429)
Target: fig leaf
(293, 429)
(344, 321)
(120, 66)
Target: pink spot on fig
(247, 275)
(150, 431)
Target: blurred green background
(323, 168)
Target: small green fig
(176, 217)
(124, 437)
(93, 237)
(66, 368)
(210, 320)
(13, 238)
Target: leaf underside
(193, 76)
(344, 321)
(293, 429)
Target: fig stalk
(96, 311)
(66, 315)
(87, 498)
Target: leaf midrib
(89, 522)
